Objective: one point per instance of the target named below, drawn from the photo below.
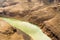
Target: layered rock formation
(44, 13)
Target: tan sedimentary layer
(41, 14)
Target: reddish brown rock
(44, 13)
(7, 32)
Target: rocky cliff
(44, 13)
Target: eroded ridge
(35, 16)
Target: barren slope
(41, 14)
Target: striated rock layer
(44, 13)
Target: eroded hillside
(44, 13)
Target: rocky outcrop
(44, 13)
(7, 32)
